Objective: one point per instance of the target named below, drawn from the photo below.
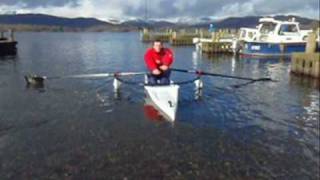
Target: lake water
(77, 129)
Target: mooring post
(2, 35)
(174, 35)
(197, 31)
(201, 33)
(213, 36)
(11, 35)
(145, 31)
(311, 43)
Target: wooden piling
(308, 63)
(11, 35)
(311, 43)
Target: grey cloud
(39, 3)
(187, 8)
(165, 8)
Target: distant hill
(47, 20)
(252, 21)
(150, 23)
(42, 22)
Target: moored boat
(273, 38)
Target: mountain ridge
(43, 22)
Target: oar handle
(188, 71)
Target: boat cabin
(275, 31)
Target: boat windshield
(288, 28)
(267, 27)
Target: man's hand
(164, 67)
(158, 61)
(156, 72)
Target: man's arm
(151, 65)
(168, 58)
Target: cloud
(162, 9)
(37, 3)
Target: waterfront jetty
(181, 37)
(308, 63)
(219, 41)
(7, 43)
(185, 37)
(147, 35)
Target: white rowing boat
(165, 98)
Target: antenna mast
(146, 10)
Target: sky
(162, 9)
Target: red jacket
(154, 60)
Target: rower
(158, 60)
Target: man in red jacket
(158, 60)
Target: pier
(181, 37)
(308, 63)
(219, 41)
(146, 35)
(216, 47)
(7, 43)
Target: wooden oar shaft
(220, 75)
(35, 79)
(98, 75)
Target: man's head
(157, 45)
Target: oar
(36, 79)
(222, 75)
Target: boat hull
(272, 49)
(8, 48)
(165, 98)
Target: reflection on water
(152, 112)
(79, 129)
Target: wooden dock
(220, 41)
(217, 47)
(8, 44)
(181, 37)
(147, 35)
(308, 63)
